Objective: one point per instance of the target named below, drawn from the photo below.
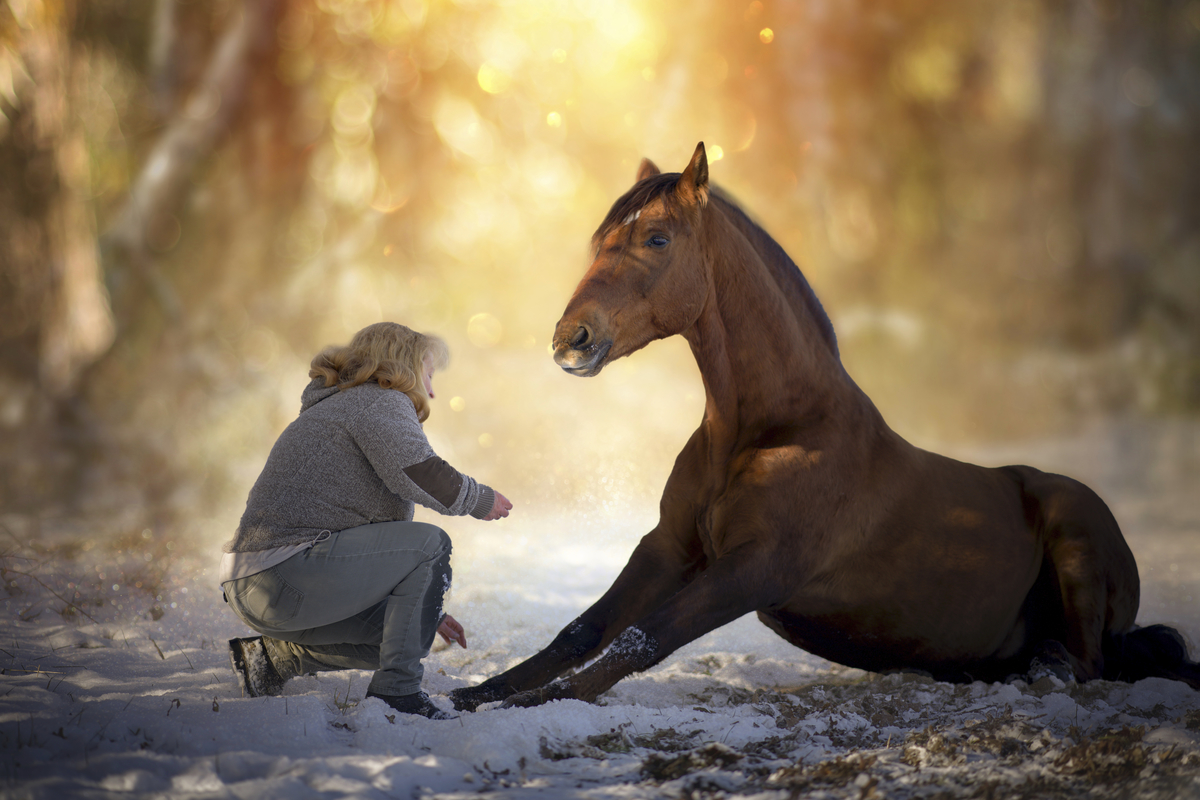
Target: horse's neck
(764, 361)
(787, 276)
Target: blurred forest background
(998, 203)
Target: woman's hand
(500, 507)
(451, 630)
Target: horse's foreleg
(655, 572)
(725, 591)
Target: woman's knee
(435, 542)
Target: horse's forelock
(641, 195)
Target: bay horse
(795, 500)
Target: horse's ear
(647, 170)
(693, 183)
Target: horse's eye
(657, 241)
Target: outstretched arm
(390, 436)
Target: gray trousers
(365, 598)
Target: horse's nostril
(580, 338)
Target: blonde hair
(389, 354)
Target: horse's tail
(1156, 651)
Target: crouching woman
(328, 563)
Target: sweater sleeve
(393, 441)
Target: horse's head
(648, 280)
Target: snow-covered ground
(129, 693)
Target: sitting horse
(795, 500)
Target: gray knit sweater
(351, 458)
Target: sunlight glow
(618, 22)
(460, 126)
(549, 172)
(851, 226)
(484, 330)
(492, 79)
(353, 109)
(354, 178)
(348, 175)
(931, 69)
(387, 201)
(1018, 65)
(742, 128)
(766, 36)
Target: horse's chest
(722, 526)
(729, 520)
(704, 530)
(744, 498)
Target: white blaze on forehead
(632, 218)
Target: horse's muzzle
(584, 362)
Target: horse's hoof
(1052, 661)
(528, 699)
(470, 698)
(460, 702)
(558, 690)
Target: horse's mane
(787, 273)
